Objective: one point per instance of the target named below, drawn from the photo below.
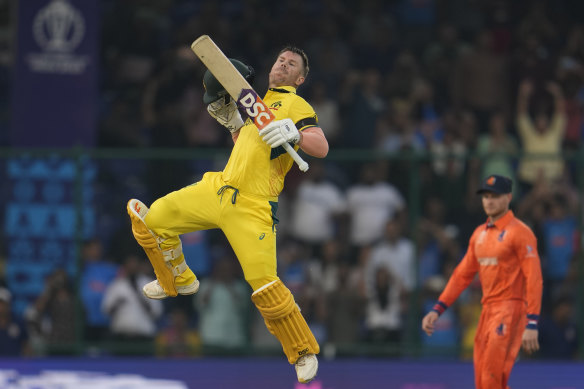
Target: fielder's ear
(299, 81)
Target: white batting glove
(279, 132)
(226, 114)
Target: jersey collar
(502, 222)
(284, 89)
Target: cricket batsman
(242, 201)
(504, 253)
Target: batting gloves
(226, 113)
(279, 132)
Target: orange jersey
(505, 256)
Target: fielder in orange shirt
(504, 253)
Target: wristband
(439, 308)
(532, 321)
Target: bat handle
(302, 164)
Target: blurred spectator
(324, 272)
(480, 81)
(541, 136)
(223, 306)
(119, 127)
(13, 334)
(345, 308)
(399, 83)
(96, 275)
(397, 131)
(371, 203)
(383, 316)
(178, 339)
(440, 58)
(558, 332)
(395, 253)
(294, 265)
(436, 240)
(537, 22)
(317, 209)
(497, 148)
(197, 248)
(448, 154)
(361, 103)
(52, 317)
(570, 74)
(132, 316)
(469, 314)
(426, 112)
(327, 109)
(448, 331)
(330, 58)
(560, 236)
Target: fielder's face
(495, 204)
(287, 70)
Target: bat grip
(302, 164)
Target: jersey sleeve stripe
(306, 122)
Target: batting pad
(163, 270)
(284, 320)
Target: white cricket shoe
(153, 290)
(306, 367)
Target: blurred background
(101, 101)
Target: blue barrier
(255, 373)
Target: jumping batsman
(242, 201)
(504, 253)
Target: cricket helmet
(213, 88)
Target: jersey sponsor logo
(488, 261)
(501, 329)
(255, 108)
(262, 236)
(501, 235)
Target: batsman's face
(287, 70)
(495, 204)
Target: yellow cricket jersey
(254, 167)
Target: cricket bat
(238, 88)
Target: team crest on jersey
(276, 106)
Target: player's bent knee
(257, 283)
(284, 320)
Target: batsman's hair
(301, 53)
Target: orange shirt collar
(502, 222)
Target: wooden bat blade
(238, 88)
(220, 66)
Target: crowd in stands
(365, 244)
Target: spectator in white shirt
(317, 209)
(371, 204)
(395, 253)
(132, 315)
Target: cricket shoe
(306, 367)
(154, 290)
